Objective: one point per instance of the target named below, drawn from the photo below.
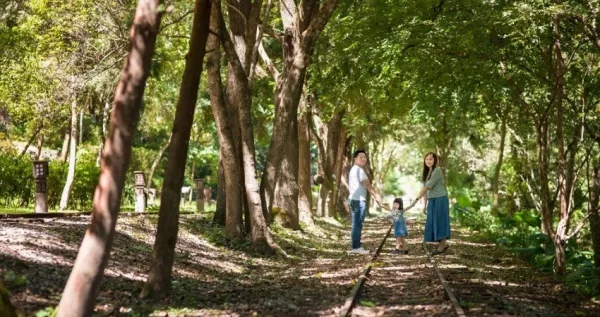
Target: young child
(397, 214)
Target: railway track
(464, 281)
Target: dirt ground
(212, 277)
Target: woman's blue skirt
(437, 225)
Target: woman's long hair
(426, 174)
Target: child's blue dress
(399, 224)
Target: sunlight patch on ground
(474, 244)
(193, 312)
(497, 283)
(506, 268)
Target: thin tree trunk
(304, 175)
(563, 178)
(161, 152)
(339, 167)
(230, 197)
(595, 214)
(65, 147)
(496, 180)
(104, 132)
(40, 145)
(192, 174)
(158, 284)
(32, 138)
(84, 282)
(64, 199)
(220, 211)
(80, 126)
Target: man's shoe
(359, 251)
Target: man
(358, 183)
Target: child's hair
(400, 202)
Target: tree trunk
(285, 200)
(595, 214)
(192, 176)
(161, 152)
(230, 197)
(65, 147)
(564, 182)
(301, 29)
(158, 284)
(339, 167)
(344, 191)
(496, 180)
(84, 282)
(304, 171)
(545, 208)
(64, 199)
(239, 93)
(105, 116)
(220, 211)
(40, 146)
(80, 126)
(32, 138)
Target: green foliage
(520, 234)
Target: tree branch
(578, 227)
(270, 66)
(317, 24)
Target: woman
(437, 226)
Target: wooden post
(140, 196)
(208, 195)
(40, 172)
(199, 194)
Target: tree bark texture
(304, 171)
(498, 168)
(158, 284)
(595, 213)
(232, 180)
(239, 93)
(64, 152)
(302, 26)
(64, 198)
(84, 282)
(219, 216)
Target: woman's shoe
(436, 251)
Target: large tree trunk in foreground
(240, 94)
(302, 26)
(64, 199)
(231, 181)
(160, 275)
(84, 282)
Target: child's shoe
(397, 251)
